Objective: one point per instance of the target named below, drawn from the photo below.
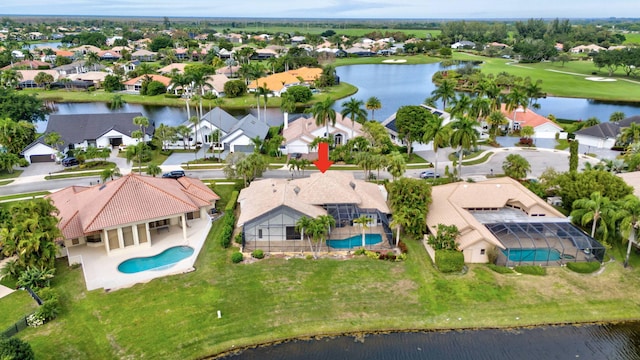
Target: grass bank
(276, 299)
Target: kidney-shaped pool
(161, 261)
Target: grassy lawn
(89, 165)
(278, 299)
(24, 195)
(481, 160)
(320, 28)
(556, 83)
(73, 175)
(14, 307)
(7, 175)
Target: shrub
(300, 93)
(448, 261)
(232, 201)
(526, 141)
(237, 257)
(238, 238)
(49, 309)
(14, 348)
(531, 270)
(228, 222)
(360, 251)
(500, 269)
(492, 254)
(584, 267)
(258, 254)
(171, 96)
(403, 247)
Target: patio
(101, 270)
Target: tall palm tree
(353, 110)
(464, 136)
(109, 173)
(195, 121)
(363, 221)
(10, 78)
(399, 220)
(616, 116)
(445, 92)
(142, 122)
(304, 223)
(516, 99)
(596, 208)
(437, 132)
(373, 104)
(480, 107)
(629, 221)
(461, 106)
(324, 113)
(630, 134)
(262, 91)
(153, 170)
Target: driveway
(181, 157)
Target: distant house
(263, 54)
(28, 77)
(215, 84)
(270, 208)
(179, 68)
(135, 84)
(84, 130)
(586, 49)
(28, 64)
(96, 77)
(390, 126)
(464, 44)
(605, 134)
(276, 83)
(144, 55)
(543, 127)
(109, 55)
(300, 133)
(229, 71)
(297, 40)
(358, 51)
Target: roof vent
(274, 190)
(296, 190)
(102, 187)
(352, 184)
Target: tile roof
(275, 82)
(303, 127)
(307, 195)
(451, 204)
(31, 74)
(163, 79)
(527, 117)
(34, 64)
(129, 199)
(167, 69)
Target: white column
(120, 238)
(184, 226)
(136, 239)
(105, 236)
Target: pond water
(399, 85)
(589, 342)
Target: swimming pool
(532, 254)
(163, 260)
(355, 241)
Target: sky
(332, 9)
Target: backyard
(276, 298)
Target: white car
(429, 174)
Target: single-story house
(605, 134)
(84, 130)
(276, 83)
(300, 133)
(109, 55)
(96, 77)
(358, 51)
(128, 215)
(543, 127)
(29, 76)
(586, 48)
(177, 67)
(502, 215)
(215, 84)
(28, 64)
(135, 84)
(464, 44)
(236, 134)
(229, 71)
(270, 208)
(307, 74)
(390, 125)
(85, 49)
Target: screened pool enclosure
(275, 231)
(544, 243)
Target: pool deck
(101, 270)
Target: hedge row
(228, 224)
(584, 267)
(500, 269)
(232, 202)
(531, 270)
(448, 261)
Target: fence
(15, 328)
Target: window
(292, 234)
(75, 241)
(481, 251)
(259, 233)
(94, 238)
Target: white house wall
(548, 131)
(599, 143)
(39, 149)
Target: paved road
(540, 160)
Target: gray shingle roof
(602, 130)
(220, 119)
(79, 127)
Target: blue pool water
(164, 259)
(532, 254)
(355, 241)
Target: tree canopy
(17, 106)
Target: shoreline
(359, 335)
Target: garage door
(42, 158)
(243, 148)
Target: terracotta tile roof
(64, 53)
(527, 117)
(34, 64)
(275, 82)
(163, 79)
(451, 204)
(31, 74)
(129, 199)
(167, 69)
(307, 195)
(307, 74)
(302, 128)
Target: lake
(585, 342)
(399, 85)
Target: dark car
(429, 174)
(175, 174)
(69, 161)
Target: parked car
(296, 156)
(69, 161)
(175, 174)
(429, 174)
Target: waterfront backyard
(277, 298)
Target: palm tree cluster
(316, 229)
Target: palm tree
(92, 58)
(10, 78)
(135, 151)
(195, 121)
(363, 221)
(53, 139)
(142, 122)
(461, 106)
(109, 173)
(527, 131)
(116, 102)
(480, 107)
(437, 132)
(445, 92)
(629, 221)
(153, 170)
(495, 120)
(324, 113)
(464, 136)
(593, 209)
(399, 220)
(353, 109)
(373, 104)
(396, 164)
(304, 223)
(325, 222)
(516, 99)
(616, 116)
(630, 134)
(262, 91)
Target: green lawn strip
(481, 160)
(275, 299)
(5, 182)
(24, 195)
(14, 306)
(7, 175)
(562, 144)
(73, 175)
(91, 165)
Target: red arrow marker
(323, 163)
